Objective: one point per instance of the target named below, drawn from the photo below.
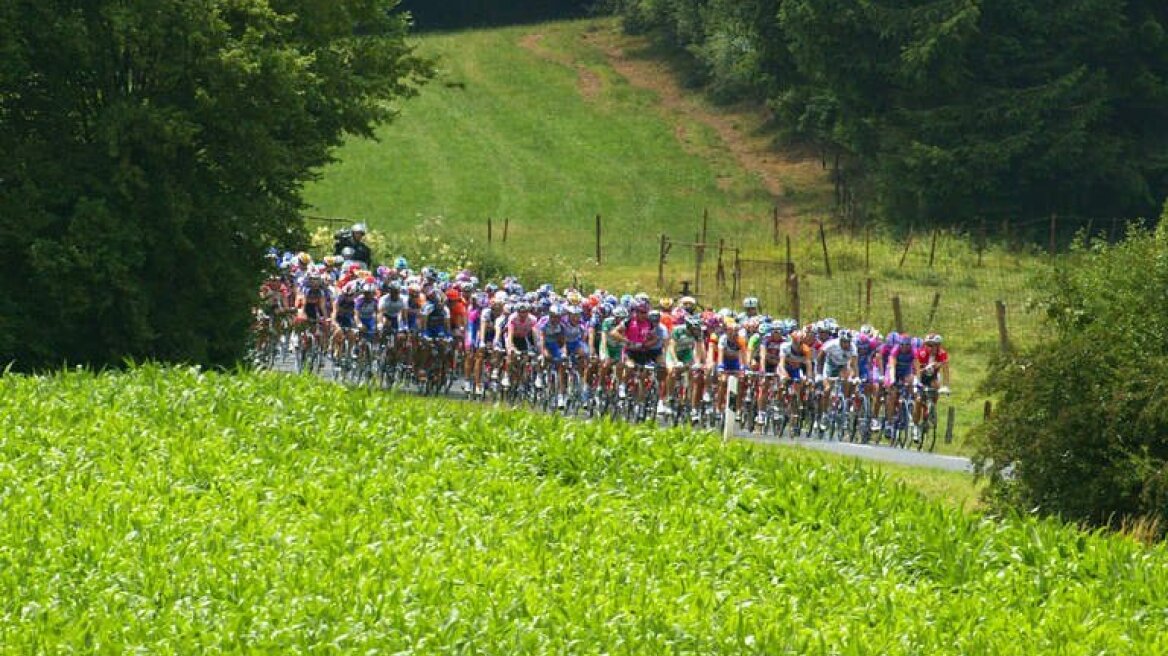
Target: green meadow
(172, 511)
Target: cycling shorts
(795, 373)
(345, 321)
(436, 332)
(645, 357)
(369, 324)
(521, 343)
(733, 364)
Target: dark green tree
(1081, 426)
(154, 148)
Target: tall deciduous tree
(154, 148)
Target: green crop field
(169, 511)
(549, 125)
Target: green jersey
(683, 344)
(613, 349)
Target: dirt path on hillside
(737, 128)
(587, 81)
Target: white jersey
(836, 357)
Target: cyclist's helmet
(844, 335)
(765, 328)
(368, 288)
(904, 339)
(523, 306)
(750, 302)
(641, 305)
(692, 321)
(401, 263)
(687, 302)
(933, 339)
(575, 310)
(620, 312)
(665, 302)
(726, 313)
(358, 228)
(642, 296)
(314, 277)
(655, 316)
(554, 310)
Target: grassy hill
(173, 511)
(550, 125)
(534, 123)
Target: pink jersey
(637, 331)
(520, 327)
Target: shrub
(1082, 425)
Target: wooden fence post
(987, 411)
(737, 273)
(720, 272)
(933, 248)
(1111, 237)
(860, 300)
(506, 225)
(867, 248)
(488, 230)
(868, 301)
(1003, 335)
(823, 240)
(598, 240)
(794, 278)
(933, 309)
(981, 242)
(897, 317)
(949, 421)
(697, 263)
(661, 263)
(775, 226)
(907, 245)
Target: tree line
(948, 111)
(455, 14)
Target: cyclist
(901, 368)
(609, 345)
(434, 318)
(549, 335)
(836, 359)
(390, 307)
(750, 306)
(933, 365)
(731, 356)
(366, 307)
(868, 346)
(344, 318)
(520, 336)
(643, 342)
(685, 350)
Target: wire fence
(975, 283)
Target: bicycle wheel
(928, 429)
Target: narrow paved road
(865, 451)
